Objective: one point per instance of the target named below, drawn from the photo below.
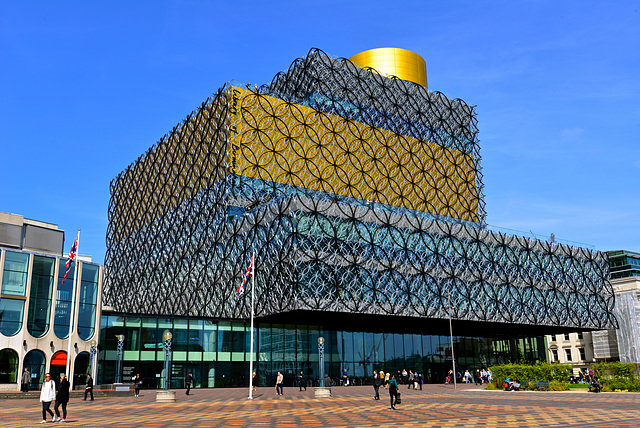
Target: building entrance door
(58, 365)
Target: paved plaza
(434, 406)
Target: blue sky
(88, 87)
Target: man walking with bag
(188, 380)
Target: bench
(524, 385)
(542, 384)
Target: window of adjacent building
(553, 337)
(582, 354)
(555, 354)
(14, 283)
(11, 320)
(14, 275)
(35, 361)
(568, 351)
(40, 295)
(63, 300)
(566, 336)
(580, 335)
(8, 366)
(87, 301)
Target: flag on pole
(72, 257)
(240, 290)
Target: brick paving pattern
(435, 406)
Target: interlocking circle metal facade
(359, 193)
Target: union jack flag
(240, 290)
(72, 256)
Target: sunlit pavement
(434, 406)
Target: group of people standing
(482, 376)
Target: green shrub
(618, 376)
(531, 372)
(558, 386)
(491, 387)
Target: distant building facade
(622, 344)
(35, 306)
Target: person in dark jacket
(88, 389)
(302, 381)
(62, 398)
(188, 380)
(376, 385)
(26, 378)
(137, 383)
(393, 391)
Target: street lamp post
(321, 358)
(167, 336)
(321, 391)
(119, 363)
(165, 395)
(453, 357)
(93, 351)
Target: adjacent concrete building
(35, 304)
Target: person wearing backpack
(393, 391)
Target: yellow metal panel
(287, 143)
(394, 62)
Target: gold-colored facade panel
(401, 63)
(295, 145)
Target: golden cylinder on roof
(397, 62)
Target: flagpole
(72, 312)
(253, 286)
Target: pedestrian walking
(279, 381)
(376, 385)
(467, 376)
(26, 378)
(62, 398)
(47, 395)
(387, 375)
(188, 380)
(88, 389)
(393, 391)
(137, 384)
(255, 382)
(302, 381)
(412, 378)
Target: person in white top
(47, 395)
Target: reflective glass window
(14, 275)
(8, 366)
(149, 339)
(62, 313)
(35, 361)
(42, 277)
(11, 320)
(87, 301)
(290, 345)
(277, 342)
(209, 339)
(195, 335)
(388, 347)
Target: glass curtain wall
(88, 300)
(14, 289)
(63, 300)
(42, 278)
(217, 352)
